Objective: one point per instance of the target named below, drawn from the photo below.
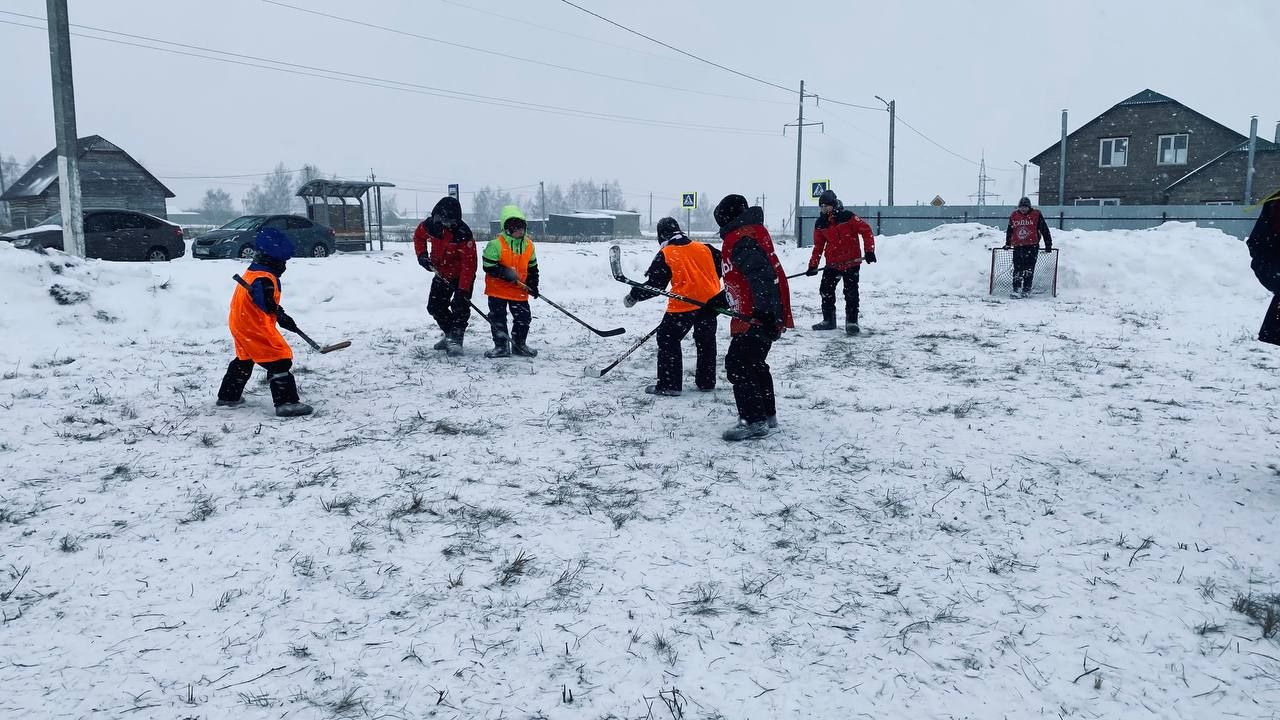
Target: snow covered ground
(981, 508)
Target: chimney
(1278, 132)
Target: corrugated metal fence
(1235, 220)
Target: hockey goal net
(1044, 282)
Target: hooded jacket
(754, 279)
(1264, 251)
(515, 253)
(843, 236)
(453, 250)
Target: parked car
(235, 239)
(109, 235)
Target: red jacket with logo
(754, 278)
(1027, 229)
(453, 252)
(842, 236)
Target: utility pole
(64, 124)
(651, 209)
(799, 124)
(982, 193)
(542, 193)
(1062, 162)
(1024, 177)
(8, 221)
(1253, 147)
(892, 106)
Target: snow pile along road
(979, 508)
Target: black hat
(667, 227)
(729, 209)
(1024, 202)
(828, 197)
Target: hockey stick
(322, 349)
(592, 372)
(470, 302)
(806, 272)
(580, 321)
(615, 263)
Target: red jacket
(453, 253)
(839, 237)
(1026, 229)
(754, 278)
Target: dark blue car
(235, 239)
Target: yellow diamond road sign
(689, 200)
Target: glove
(284, 321)
(871, 256)
(425, 261)
(813, 270)
(508, 274)
(1007, 246)
(533, 290)
(1048, 247)
(768, 324)
(628, 301)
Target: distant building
(1153, 150)
(626, 224)
(109, 178)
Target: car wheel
(246, 252)
(319, 250)
(157, 254)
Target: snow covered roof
(1147, 97)
(590, 215)
(610, 213)
(40, 176)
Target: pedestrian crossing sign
(817, 187)
(689, 200)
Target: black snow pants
(827, 291)
(449, 306)
(748, 370)
(1024, 266)
(674, 327)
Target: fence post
(1164, 217)
(879, 231)
(1062, 219)
(966, 216)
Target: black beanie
(667, 227)
(729, 209)
(828, 197)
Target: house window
(1114, 152)
(1096, 202)
(1220, 202)
(1173, 150)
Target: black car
(109, 235)
(235, 239)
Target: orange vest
(499, 288)
(253, 331)
(693, 275)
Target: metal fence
(1234, 220)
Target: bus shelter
(349, 208)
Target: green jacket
(493, 251)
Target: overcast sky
(978, 76)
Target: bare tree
(217, 206)
(275, 195)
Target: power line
(948, 150)
(550, 29)
(676, 49)
(383, 83)
(509, 56)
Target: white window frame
(1219, 202)
(1103, 144)
(1173, 138)
(1098, 202)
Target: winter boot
(238, 374)
(522, 350)
(746, 430)
(441, 344)
(772, 422)
(453, 344)
(284, 393)
(655, 390)
(1015, 294)
(500, 350)
(1026, 292)
(851, 328)
(828, 320)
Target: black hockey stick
(580, 321)
(806, 272)
(297, 330)
(615, 263)
(592, 372)
(470, 302)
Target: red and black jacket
(754, 278)
(843, 236)
(453, 250)
(1026, 229)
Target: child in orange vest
(253, 318)
(511, 277)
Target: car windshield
(248, 222)
(54, 219)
